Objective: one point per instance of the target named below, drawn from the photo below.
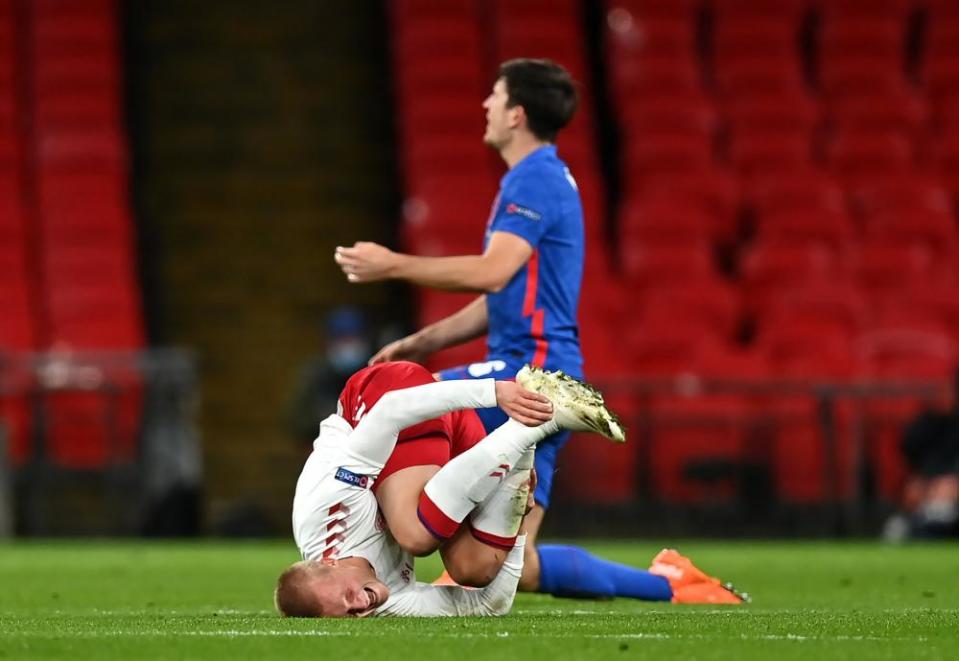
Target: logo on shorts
(512, 207)
(353, 479)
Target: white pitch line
(242, 633)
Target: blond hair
(295, 595)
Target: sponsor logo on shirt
(353, 479)
(514, 208)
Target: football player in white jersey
(352, 564)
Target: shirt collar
(538, 154)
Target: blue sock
(569, 571)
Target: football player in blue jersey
(529, 278)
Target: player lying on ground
(528, 278)
(353, 565)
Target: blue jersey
(533, 318)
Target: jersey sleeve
(522, 210)
(374, 437)
(445, 600)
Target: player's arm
(399, 409)
(505, 254)
(436, 600)
(467, 324)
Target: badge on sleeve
(513, 208)
(353, 479)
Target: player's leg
(398, 496)
(475, 557)
(571, 571)
(493, 526)
(469, 478)
(563, 570)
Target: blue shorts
(546, 450)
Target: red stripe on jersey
(331, 540)
(538, 321)
(542, 345)
(532, 282)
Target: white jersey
(335, 514)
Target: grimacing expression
(348, 592)
(500, 119)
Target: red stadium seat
(17, 327)
(934, 230)
(774, 153)
(774, 113)
(927, 302)
(769, 268)
(711, 304)
(634, 36)
(667, 349)
(457, 74)
(92, 430)
(761, 76)
(652, 76)
(755, 38)
(885, 266)
(441, 114)
(902, 194)
(452, 35)
(901, 114)
(648, 265)
(860, 157)
(838, 305)
(659, 9)
(598, 474)
(797, 346)
(752, 9)
(805, 350)
(908, 350)
(702, 432)
(669, 153)
(662, 218)
(856, 75)
(881, 37)
(715, 190)
(812, 191)
(831, 229)
(680, 114)
(83, 150)
(694, 432)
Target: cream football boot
(576, 405)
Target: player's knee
(415, 540)
(471, 572)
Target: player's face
(350, 592)
(499, 118)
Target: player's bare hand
(366, 261)
(406, 348)
(530, 408)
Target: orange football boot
(690, 585)
(444, 579)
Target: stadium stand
(63, 169)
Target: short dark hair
(545, 90)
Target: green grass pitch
(213, 600)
